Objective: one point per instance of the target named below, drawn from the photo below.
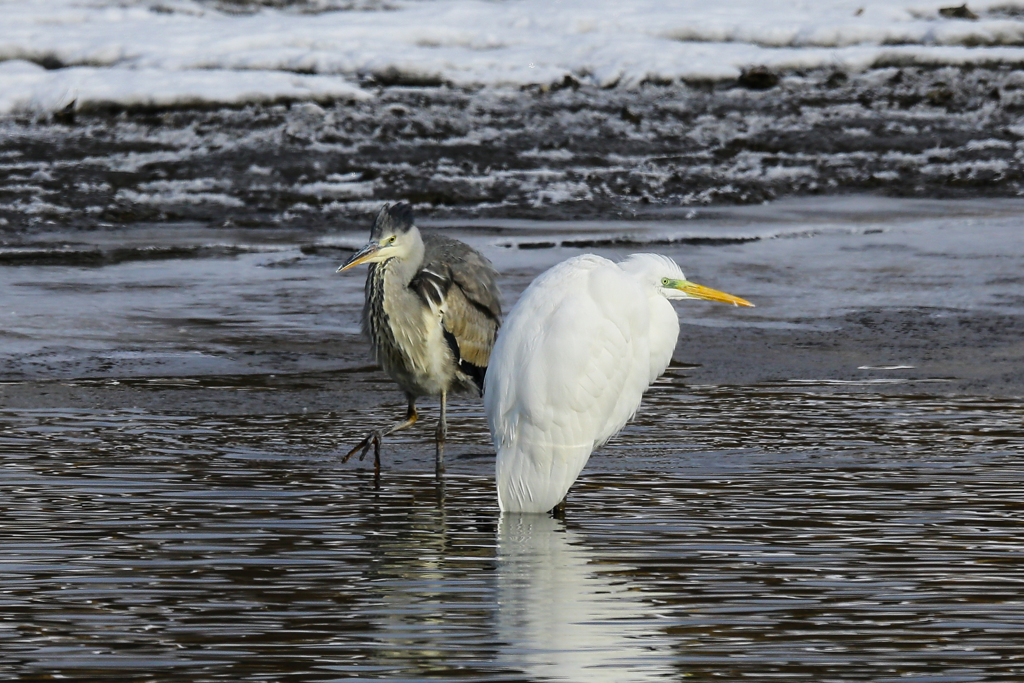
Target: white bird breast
(568, 370)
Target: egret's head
(667, 278)
(393, 235)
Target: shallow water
(765, 532)
(826, 487)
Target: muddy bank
(567, 153)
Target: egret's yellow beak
(361, 256)
(701, 292)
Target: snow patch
(29, 88)
(175, 197)
(182, 53)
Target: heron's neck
(404, 267)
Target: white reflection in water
(559, 618)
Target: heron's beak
(361, 256)
(701, 292)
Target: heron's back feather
(456, 262)
(463, 284)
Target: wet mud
(564, 153)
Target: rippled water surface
(728, 534)
(825, 488)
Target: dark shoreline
(556, 154)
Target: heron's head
(393, 235)
(667, 278)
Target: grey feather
(395, 219)
(452, 278)
(450, 262)
(466, 284)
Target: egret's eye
(665, 282)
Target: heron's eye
(391, 240)
(665, 282)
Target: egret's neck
(664, 334)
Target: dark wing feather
(460, 278)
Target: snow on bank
(25, 86)
(159, 53)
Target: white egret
(571, 363)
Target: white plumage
(571, 363)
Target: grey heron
(432, 312)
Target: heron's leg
(374, 438)
(442, 432)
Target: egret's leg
(442, 432)
(374, 438)
(558, 512)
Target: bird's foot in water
(373, 439)
(558, 512)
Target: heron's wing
(473, 329)
(467, 268)
(463, 284)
